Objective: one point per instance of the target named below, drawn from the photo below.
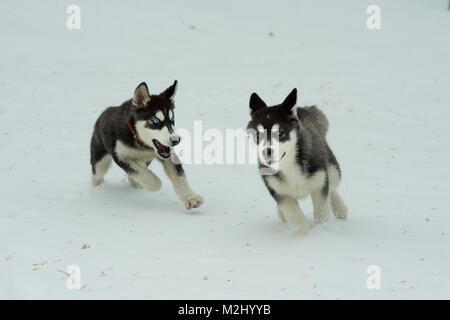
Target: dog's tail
(312, 115)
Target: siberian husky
(295, 160)
(135, 133)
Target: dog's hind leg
(281, 214)
(321, 203)
(99, 170)
(100, 162)
(338, 205)
(133, 182)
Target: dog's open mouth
(163, 151)
(271, 160)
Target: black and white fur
(293, 149)
(151, 117)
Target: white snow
(387, 96)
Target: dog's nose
(267, 152)
(175, 139)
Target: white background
(386, 94)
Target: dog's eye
(155, 120)
(279, 133)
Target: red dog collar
(135, 134)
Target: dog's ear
(170, 92)
(290, 100)
(141, 96)
(256, 103)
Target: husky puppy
(135, 133)
(295, 160)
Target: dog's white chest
(293, 185)
(292, 182)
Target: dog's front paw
(96, 181)
(301, 230)
(193, 201)
(341, 213)
(321, 217)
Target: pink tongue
(162, 149)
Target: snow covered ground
(387, 96)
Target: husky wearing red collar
(135, 133)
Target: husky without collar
(135, 133)
(295, 160)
